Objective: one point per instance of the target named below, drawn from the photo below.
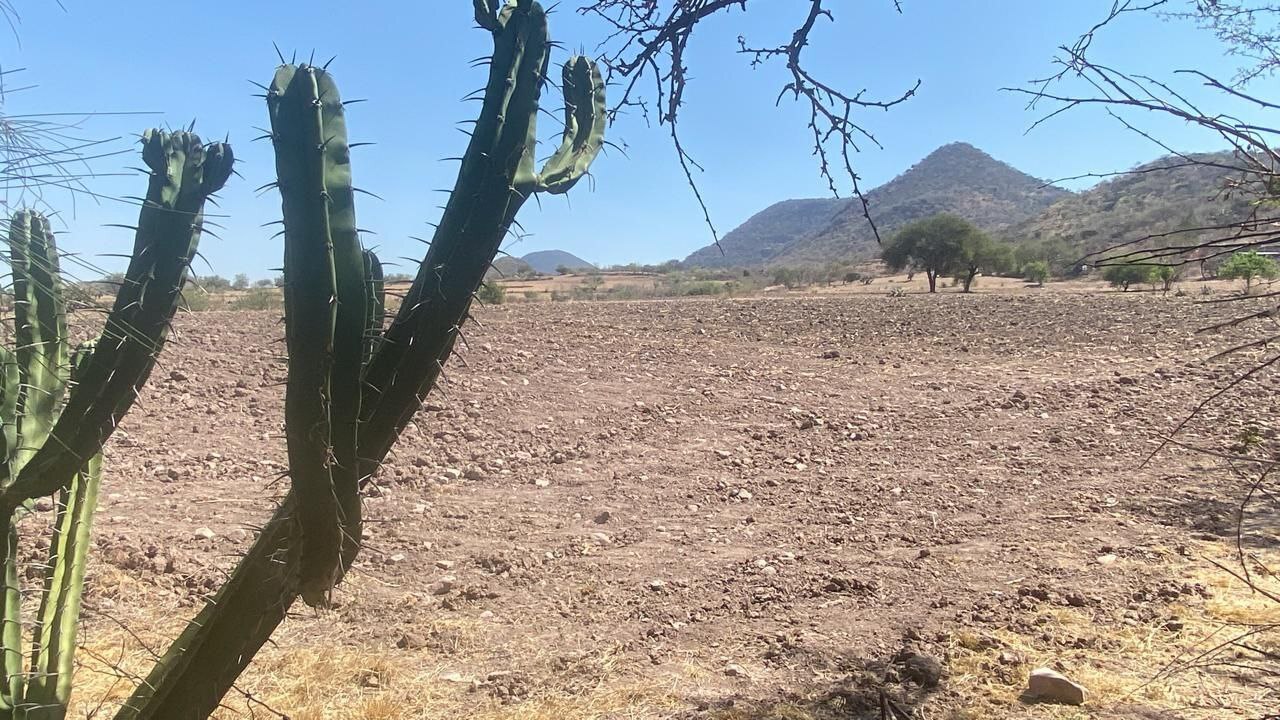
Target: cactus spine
(294, 553)
(55, 419)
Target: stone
(735, 670)
(205, 533)
(1048, 685)
(411, 641)
(443, 586)
(923, 670)
(602, 517)
(445, 564)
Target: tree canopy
(945, 244)
(1248, 266)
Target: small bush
(196, 300)
(1248, 266)
(532, 295)
(1124, 275)
(491, 293)
(1166, 275)
(559, 296)
(259, 299)
(1036, 271)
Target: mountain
(1158, 197)
(957, 178)
(767, 233)
(508, 267)
(546, 261)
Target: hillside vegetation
(956, 179)
(1157, 198)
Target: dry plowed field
(755, 509)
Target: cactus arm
(495, 180)
(584, 123)
(375, 303)
(183, 175)
(53, 653)
(12, 663)
(469, 234)
(10, 382)
(40, 331)
(325, 318)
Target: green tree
(787, 277)
(1167, 275)
(1248, 266)
(933, 246)
(1122, 275)
(241, 282)
(981, 254)
(1036, 271)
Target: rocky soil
(706, 508)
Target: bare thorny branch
(1250, 31)
(647, 42)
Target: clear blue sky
(410, 59)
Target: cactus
(325, 318)
(55, 418)
(333, 303)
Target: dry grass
(1126, 664)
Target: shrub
(491, 293)
(213, 283)
(1036, 271)
(1166, 275)
(1123, 275)
(196, 300)
(259, 299)
(531, 295)
(1248, 266)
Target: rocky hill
(957, 178)
(1156, 198)
(547, 261)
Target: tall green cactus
(56, 419)
(329, 292)
(325, 317)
